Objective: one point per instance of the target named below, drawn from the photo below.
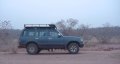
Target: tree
(107, 25)
(83, 29)
(5, 25)
(67, 27)
(7, 42)
(5, 28)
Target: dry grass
(9, 46)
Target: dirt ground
(84, 57)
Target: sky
(90, 12)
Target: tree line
(69, 27)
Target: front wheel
(32, 49)
(73, 48)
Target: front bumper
(81, 45)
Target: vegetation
(8, 37)
(101, 35)
(92, 36)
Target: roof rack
(39, 25)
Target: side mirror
(59, 35)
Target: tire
(73, 48)
(32, 49)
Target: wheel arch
(31, 42)
(73, 42)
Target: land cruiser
(37, 37)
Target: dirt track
(84, 57)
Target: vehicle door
(55, 40)
(43, 38)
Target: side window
(53, 34)
(29, 33)
(46, 34)
(41, 34)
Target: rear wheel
(32, 49)
(73, 48)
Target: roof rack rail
(39, 25)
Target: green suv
(37, 37)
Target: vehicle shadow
(58, 54)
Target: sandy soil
(84, 57)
